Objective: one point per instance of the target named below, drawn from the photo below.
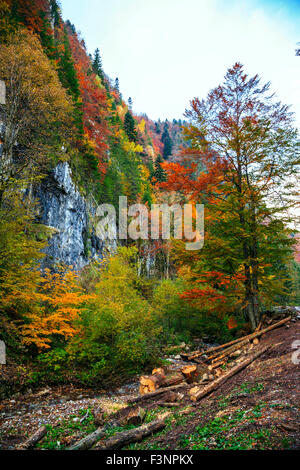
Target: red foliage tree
(94, 100)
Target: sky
(166, 52)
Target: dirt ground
(262, 401)
(259, 408)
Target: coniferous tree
(66, 69)
(166, 140)
(55, 10)
(159, 172)
(97, 64)
(46, 36)
(129, 126)
(130, 103)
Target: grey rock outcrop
(70, 217)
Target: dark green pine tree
(129, 127)
(157, 128)
(66, 69)
(147, 196)
(97, 64)
(159, 172)
(166, 140)
(46, 36)
(55, 11)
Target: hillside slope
(255, 409)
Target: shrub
(117, 328)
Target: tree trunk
(149, 383)
(124, 438)
(160, 391)
(251, 309)
(197, 392)
(189, 373)
(33, 440)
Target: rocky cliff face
(70, 218)
(71, 225)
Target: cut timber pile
(161, 391)
(197, 392)
(151, 383)
(213, 366)
(240, 340)
(158, 379)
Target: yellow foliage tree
(36, 115)
(117, 327)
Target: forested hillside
(61, 108)
(79, 310)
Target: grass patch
(219, 433)
(245, 388)
(59, 437)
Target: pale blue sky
(165, 52)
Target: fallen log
(239, 340)
(217, 364)
(189, 373)
(88, 441)
(221, 355)
(136, 416)
(124, 438)
(196, 393)
(128, 415)
(185, 355)
(157, 392)
(173, 380)
(149, 383)
(167, 404)
(170, 396)
(33, 440)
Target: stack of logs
(210, 365)
(159, 378)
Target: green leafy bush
(117, 329)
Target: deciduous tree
(247, 144)
(36, 114)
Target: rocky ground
(259, 408)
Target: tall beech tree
(246, 141)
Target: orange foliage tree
(54, 308)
